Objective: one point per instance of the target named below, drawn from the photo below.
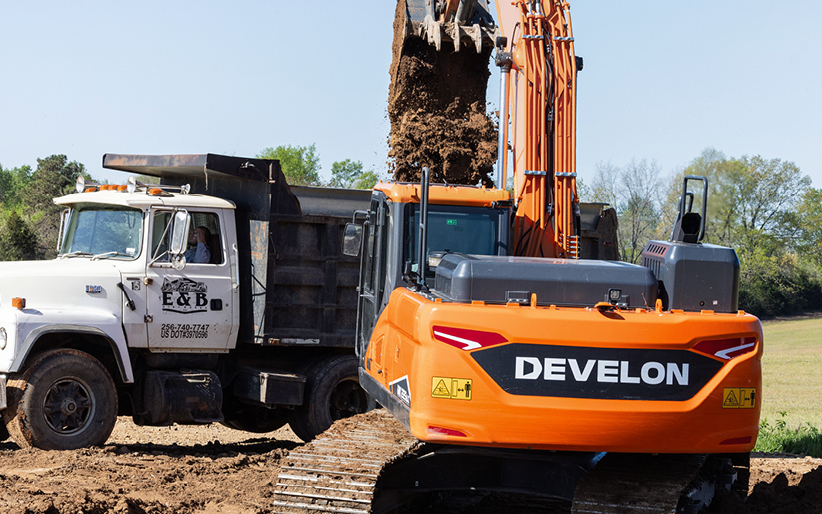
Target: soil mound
(437, 111)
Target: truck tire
(64, 399)
(4, 434)
(332, 392)
(258, 420)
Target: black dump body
(297, 288)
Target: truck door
(373, 276)
(190, 308)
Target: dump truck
(252, 326)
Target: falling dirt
(436, 105)
(214, 469)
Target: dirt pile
(214, 469)
(437, 111)
(779, 485)
(186, 470)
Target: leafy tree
(349, 174)
(367, 180)
(344, 173)
(54, 176)
(18, 242)
(12, 183)
(804, 227)
(300, 164)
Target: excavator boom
(539, 83)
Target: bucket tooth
(471, 19)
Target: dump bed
(297, 288)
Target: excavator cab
(459, 219)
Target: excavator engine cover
(694, 276)
(561, 282)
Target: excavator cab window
(461, 229)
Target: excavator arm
(539, 77)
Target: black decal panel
(401, 390)
(184, 296)
(597, 373)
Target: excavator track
(636, 484)
(342, 470)
(338, 471)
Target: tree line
(765, 209)
(30, 221)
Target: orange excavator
(516, 376)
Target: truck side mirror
(179, 236)
(352, 239)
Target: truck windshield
(470, 230)
(103, 231)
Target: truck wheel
(64, 400)
(258, 420)
(4, 434)
(332, 392)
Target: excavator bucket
(455, 21)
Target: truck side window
(205, 223)
(205, 228)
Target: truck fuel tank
(186, 397)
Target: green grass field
(792, 372)
(791, 418)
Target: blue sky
(662, 80)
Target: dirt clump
(436, 106)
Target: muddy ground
(215, 469)
(436, 106)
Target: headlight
(3, 338)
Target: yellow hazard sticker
(451, 388)
(739, 398)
